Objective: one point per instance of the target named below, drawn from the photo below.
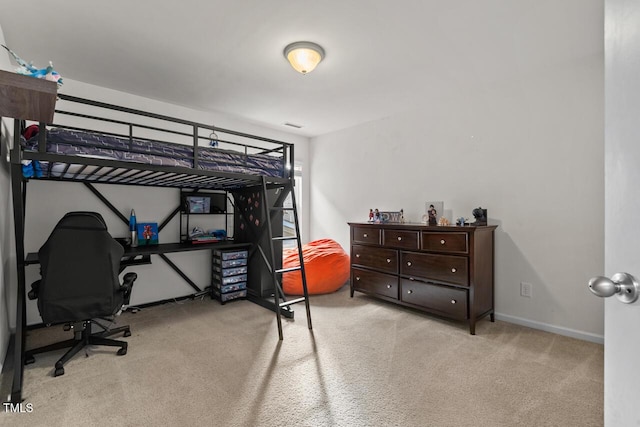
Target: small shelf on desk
(201, 204)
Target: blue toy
(27, 69)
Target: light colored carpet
(366, 363)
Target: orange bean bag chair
(326, 267)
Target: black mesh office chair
(79, 265)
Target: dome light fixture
(304, 56)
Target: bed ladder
(280, 300)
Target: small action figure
(433, 215)
(480, 216)
(370, 215)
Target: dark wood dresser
(443, 270)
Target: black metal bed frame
(92, 171)
(123, 172)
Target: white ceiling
(382, 56)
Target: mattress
(98, 145)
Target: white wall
(527, 147)
(47, 202)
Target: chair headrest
(82, 219)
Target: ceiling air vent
(293, 125)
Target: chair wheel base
(127, 334)
(122, 352)
(58, 372)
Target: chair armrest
(127, 285)
(35, 288)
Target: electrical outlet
(525, 289)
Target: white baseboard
(581, 335)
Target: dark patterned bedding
(96, 145)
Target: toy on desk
(147, 233)
(27, 69)
(198, 235)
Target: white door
(622, 209)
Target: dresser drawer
(374, 282)
(449, 301)
(403, 239)
(378, 258)
(445, 242)
(446, 268)
(365, 235)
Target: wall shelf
(27, 98)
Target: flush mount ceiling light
(303, 56)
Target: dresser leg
(472, 327)
(351, 287)
(492, 316)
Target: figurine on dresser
(376, 216)
(480, 216)
(433, 215)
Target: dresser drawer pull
(388, 260)
(442, 242)
(453, 301)
(357, 278)
(357, 255)
(409, 263)
(399, 238)
(365, 235)
(388, 286)
(410, 291)
(453, 270)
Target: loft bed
(92, 142)
(113, 144)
